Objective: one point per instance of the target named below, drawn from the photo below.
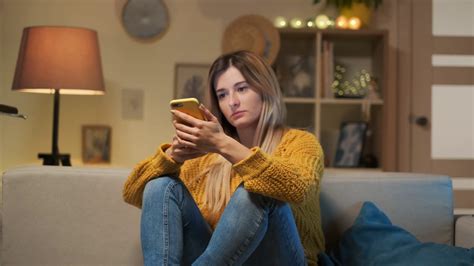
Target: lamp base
(55, 159)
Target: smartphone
(188, 106)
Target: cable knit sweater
(292, 174)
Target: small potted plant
(358, 8)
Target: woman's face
(240, 103)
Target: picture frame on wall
(350, 144)
(190, 80)
(96, 144)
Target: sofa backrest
(419, 203)
(70, 215)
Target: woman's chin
(243, 125)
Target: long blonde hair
(260, 76)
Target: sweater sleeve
(157, 165)
(287, 176)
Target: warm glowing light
(310, 23)
(354, 23)
(331, 23)
(296, 23)
(341, 22)
(322, 21)
(280, 22)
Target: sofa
(76, 216)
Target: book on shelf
(327, 69)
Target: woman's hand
(196, 134)
(180, 152)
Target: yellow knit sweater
(292, 174)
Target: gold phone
(188, 106)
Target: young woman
(239, 188)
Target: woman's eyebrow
(235, 85)
(239, 83)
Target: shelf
(298, 100)
(350, 101)
(334, 170)
(331, 101)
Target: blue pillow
(373, 240)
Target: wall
(194, 36)
(1, 84)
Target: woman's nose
(234, 100)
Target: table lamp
(58, 60)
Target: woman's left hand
(198, 134)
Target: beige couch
(76, 216)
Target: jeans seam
(247, 241)
(170, 186)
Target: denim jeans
(253, 229)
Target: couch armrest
(464, 231)
(68, 216)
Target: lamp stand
(55, 158)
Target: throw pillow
(373, 240)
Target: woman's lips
(237, 114)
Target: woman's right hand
(180, 152)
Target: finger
(185, 128)
(209, 116)
(188, 153)
(186, 138)
(183, 143)
(185, 118)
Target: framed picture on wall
(190, 80)
(96, 141)
(350, 144)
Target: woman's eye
(220, 96)
(241, 89)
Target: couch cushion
(67, 215)
(420, 203)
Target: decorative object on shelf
(296, 75)
(58, 60)
(350, 144)
(322, 21)
(310, 23)
(355, 8)
(341, 22)
(190, 80)
(373, 90)
(354, 23)
(145, 19)
(280, 22)
(10, 111)
(370, 161)
(355, 88)
(96, 142)
(297, 23)
(252, 33)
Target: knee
(244, 196)
(158, 186)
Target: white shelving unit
(304, 68)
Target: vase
(360, 10)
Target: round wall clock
(145, 19)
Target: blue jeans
(253, 229)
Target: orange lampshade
(59, 58)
